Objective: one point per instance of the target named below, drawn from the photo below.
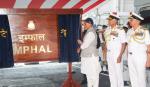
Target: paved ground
(47, 74)
(42, 75)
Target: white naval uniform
(137, 56)
(100, 48)
(114, 44)
(90, 65)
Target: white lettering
(31, 49)
(42, 49)
(32, 37)
(17, 49)
(25, 49)
(48, 49)
(34, 49)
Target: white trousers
(115, 72)
(91, 67)
(93, 81)
(137, 70)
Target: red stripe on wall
(60, 3)
(36, 3)
(93, 5)
(80, 4)
(7, 3)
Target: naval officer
(138, 39)
(115, 45)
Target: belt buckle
(108, 50)
(130, 53)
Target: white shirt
(114, 43)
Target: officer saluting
(115, 45)
(138, 39)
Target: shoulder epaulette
(144, 28)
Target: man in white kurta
(138, 39)
(115, 44)
(89, 55)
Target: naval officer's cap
(135, 16)
(113, 15)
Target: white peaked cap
(114, 15)
(135, 16)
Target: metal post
(70, 82)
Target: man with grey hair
(89, 54)
(138, 39)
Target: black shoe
(84, 81)
(102, 72)
(105, 72)
(126, 83)
(73, 72)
